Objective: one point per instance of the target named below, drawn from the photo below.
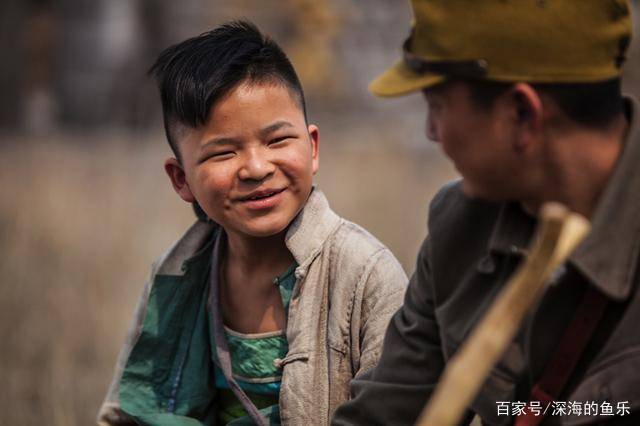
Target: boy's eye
(224, 154)
(279, 139)
(218, 156)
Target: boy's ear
(178, 179)
(314, 138)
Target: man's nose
(256, 165)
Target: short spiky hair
(194, 74)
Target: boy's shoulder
(191, 244)
(358, 260)
(355, 242)
(318, 227)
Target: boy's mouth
(262, 194)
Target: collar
(608, 256)
(513, 231)
(306, 234)
(192, 248)
(310, 229)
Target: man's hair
(592, 105)
(196, 73)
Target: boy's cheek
(300, 165)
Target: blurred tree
(39, 108)
(82, 63)
(316, 27)
(96, 51)
(632, 66)
(12, 14)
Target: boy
(270, 304)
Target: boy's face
(251, 166)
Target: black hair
(593, 105)
(194, 74)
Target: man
(524, 98)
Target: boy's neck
(251, 303)
(256, 256)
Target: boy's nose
(256, 166)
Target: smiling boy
(270, 304)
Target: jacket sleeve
(110, 412)
(410, 364)
(382, 295)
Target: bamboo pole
(558, 234)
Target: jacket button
(604, 393)
(277, 363)
(486, 265)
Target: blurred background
(85, 205)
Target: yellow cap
(536, 41)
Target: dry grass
(81, 218)
(79, 223)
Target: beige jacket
(348, 287)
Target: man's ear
(178, 179)
(314, 138)
(527, 112)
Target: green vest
(169, 378)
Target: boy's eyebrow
(218, 141)
(275, 126)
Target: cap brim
(400, 80)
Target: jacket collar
(306, 234)
(310, 229)
(191, 248)
(609, 254)
(513, 231)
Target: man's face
(251, 166)
(475, 139)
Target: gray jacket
(472, 249)
(348, 286)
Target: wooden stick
(559, 233)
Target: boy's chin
(264, 230)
